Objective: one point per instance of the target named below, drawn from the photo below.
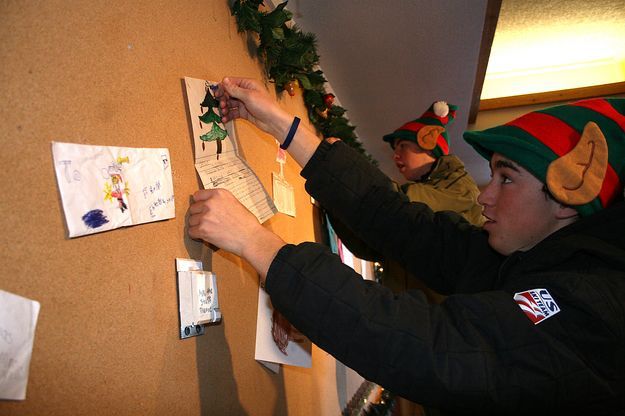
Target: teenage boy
(536, 320)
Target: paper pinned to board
(277, 341)
(198, 300)
(283, 195)
(217, 158)
(18, 320)
(108, 187)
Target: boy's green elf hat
(428, 131)
(576, 149)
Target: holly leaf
(337, 111)
(277, 33)
(277, 17)
(313, 98)
(247, 14)
(303, 79)
(317, 80)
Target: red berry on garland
(290, 87)
(328, 99)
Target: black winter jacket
(480, 350)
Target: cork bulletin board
(107, 339)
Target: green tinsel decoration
(291, 55)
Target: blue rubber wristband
(290, 134)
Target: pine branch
(289, 55)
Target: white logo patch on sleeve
(537, 304)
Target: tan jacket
(448, 187)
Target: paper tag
(281, 156)
(283, 195)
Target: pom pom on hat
(441, 109)
(428, 131)
(577, 150)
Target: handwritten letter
(217, 159)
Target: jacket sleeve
(427, 353)
(355, 244)
(439, 247)
(475, 352)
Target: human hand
(217, 217)
(247, 98)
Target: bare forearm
(246, 98)
(216, 216)
(261, 250)
(304, 141)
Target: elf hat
(428, 131)
(577, 150)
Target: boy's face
(519, 214)
(412, 161)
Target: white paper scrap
(18, 320)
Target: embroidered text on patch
(537, 304)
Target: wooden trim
(488, 34)
(553, 96)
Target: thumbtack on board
(197, 297)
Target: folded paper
(217, 158)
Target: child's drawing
(220, 165)
(95, 218)
(211, 116)
(94, 183)
(116, 187)
(283, 332)
(277, 341)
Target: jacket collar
(442, 167)
(600, 235)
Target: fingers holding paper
(248, 99)
(217, 217)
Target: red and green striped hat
(577, 150)
(428, 131)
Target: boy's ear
(564, 212)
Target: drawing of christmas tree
(216, 134)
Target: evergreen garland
(290, 56)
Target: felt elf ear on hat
(428, 131)
(577, 150)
